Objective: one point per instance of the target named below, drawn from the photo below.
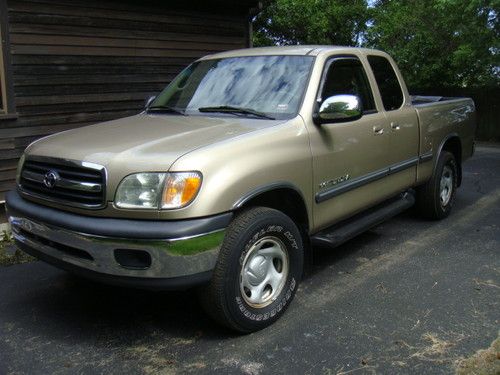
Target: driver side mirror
(149, 101)
(339, 108)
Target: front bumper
(152, 254)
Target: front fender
(236, 169)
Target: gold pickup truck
(233, 173)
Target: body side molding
(426, 157)
(366, 179)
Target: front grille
(65, 183)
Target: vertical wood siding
(79, 62)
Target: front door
(349, 158)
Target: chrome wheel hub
(264, 272)
(446, 185)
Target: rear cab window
(387, 81)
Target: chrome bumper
(169, 258)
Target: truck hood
(145, 142)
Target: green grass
(9, 254)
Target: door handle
(395, 126)
(378, 130)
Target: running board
(350, 228)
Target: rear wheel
(435, 199)
(258, 271)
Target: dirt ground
(408, 297)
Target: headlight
(158, 190)
(141, 190)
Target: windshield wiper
(231, 109)
(165, 108)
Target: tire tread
(212, 295)
(428, 203)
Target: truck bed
(441, 117)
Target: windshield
(262, 86)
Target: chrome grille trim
(64, 182)
(79, 184)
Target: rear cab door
(400, 119)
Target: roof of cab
(299, 50)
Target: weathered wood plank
(134, 63)
(5, 186)
(35, 39)
(32, 80)
(40, 130)
(213, 8)
(115, 97)
(104, 51)
(7, 144)
(8, 164)
(8, 175)
(89, 70)
(229, 40)
(85, 107)
(72, 118)
(11, 154)
(67, 20)
(13, 143)
(81, 89)
(146, 15)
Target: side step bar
(350, 228)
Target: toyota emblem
(50, 179)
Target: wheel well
(286, 200)
(291, 203)
(454, 146)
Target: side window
(347, 76)
(387, 81)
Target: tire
(435, 198)
(257, 273)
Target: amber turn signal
(180, 189)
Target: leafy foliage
(286, 22)
(435, 42)
(440, 42)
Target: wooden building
(70, 63)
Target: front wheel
(257, 274)
(435, 199)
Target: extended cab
(231, 174)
